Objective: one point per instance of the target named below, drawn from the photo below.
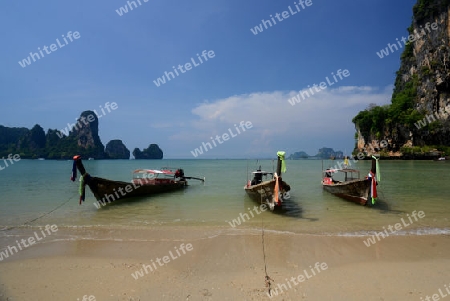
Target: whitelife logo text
(161, 261)
(187, 66)
(25, 243)
(243, 125)
(303, 94)
(398, 226)
(281, 17)
(33, 56)
(86, 120)
(411, 38)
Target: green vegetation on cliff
(373, 121)
(324, 153)
(115, 149)
(298, 155)
(421, 90)
(427, 9)
(152, 152)
(82, 139)
(34, 143)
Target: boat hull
(263, 193)
(108, 191)
(356, 191)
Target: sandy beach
(225, 264)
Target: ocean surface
(35, 193)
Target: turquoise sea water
(32, 188)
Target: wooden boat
(145, 182)
(352, 188)
(271, 192)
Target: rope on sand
(35, 219)
(268, 281)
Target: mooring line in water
(35, 219)
(268, 281)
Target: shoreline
(208, 229)
(312, 158)
(224, 265)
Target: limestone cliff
(115, 149)
(27, 143)
(85, 133)
(152, 152)
(79, 138)
(417, 123)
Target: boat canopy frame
(152, 174)
(345, 171)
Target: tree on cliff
(79, 138)
(422, 89)
(115, 149)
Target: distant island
(298, 155)
(324, 153)
(81, 138)
(152, 152)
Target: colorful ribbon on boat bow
(378, 171)
(280, 155)
(374, 178)
(73, 177)
(276, 190)
(82, 189)
(373, 188)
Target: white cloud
(318, 120)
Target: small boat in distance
(271, 192)
(352, 187)
(145, 182)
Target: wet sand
(224, 264)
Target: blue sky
(250, 78)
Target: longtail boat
(270, 192)
(352, 187)
(145, 182)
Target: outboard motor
(258, 177)
(179, 173)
